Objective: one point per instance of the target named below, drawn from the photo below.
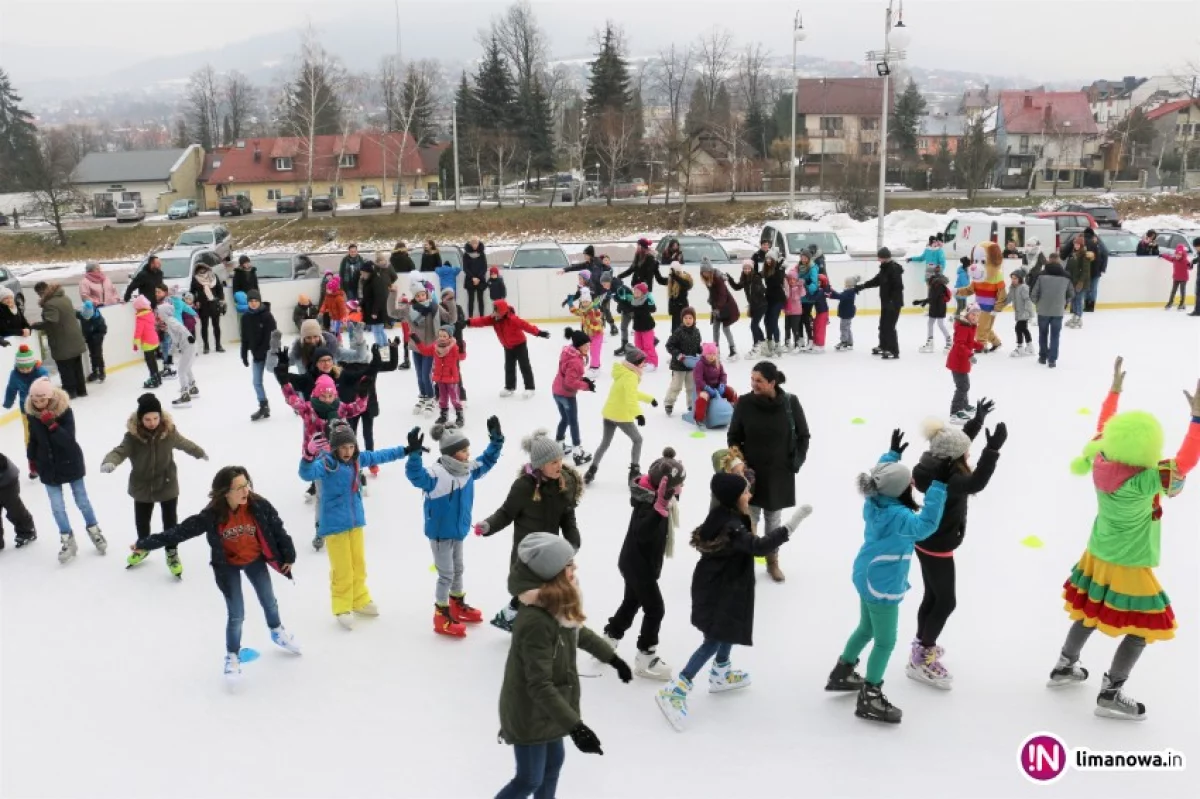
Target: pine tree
(537, 125)
(698, 112)
(181, 138)
(610, 109)
(905, 124)
(18, 136)
(495, 97)
(608, 83)
(311, 103)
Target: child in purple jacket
(711, 381)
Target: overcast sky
(1029, 37)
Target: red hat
(645, 243)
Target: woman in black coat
(401, 261)
(431, 257)
(475, 272)
(762, 430)
(209, 296)
(756, 300)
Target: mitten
(721, 390)
(623, 670)
(585, 740)
(493, 428)
(47, 417)
(641, 420)
(245, 360)
(710, 391)
(543, 334)
(662, 498)
(996, 438)
(590, 383)
(800, 514)
(191, 339)
(107, 467)
(4, 342)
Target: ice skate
(649, 665)
(173, 563)
(844, 677)
(528, 393)
(670, 409)
(459, 420)
(94, 376)
(816, 350)
(152, 382)
(419, 408)
(1112, 703)
(925, 667)
(635, 472)
(429, 406)
(581, 456)
(844, 347)
(1066, 672)
(370, 610)
(733, 355)
(949, 346)
(443, 414)
(461, 612)
(184, 400)
(135, 558)
(346, 620)
(590, 475)
(504, 618)
(24, 539)
(169, 374)
(889, 356)
(874, 706)
(310, 494)
(263, 412)
(284, 640)
(876, 351)
(444, 623)
(755, 351)
(69, 547)
(672, 701)
(508, 392)
(318, 543)
(721, 678)
(233, 670)
(927, 347)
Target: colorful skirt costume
(1113, 587)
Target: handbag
(794, 457)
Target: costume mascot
(989, 291)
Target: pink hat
(641, 287)
(324, 383)
(41, 388)
(708, 348)
(140, 303)
(334, 285)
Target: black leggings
(151, 357)
(144, 511)
(368, 426)
(938, 602)
(205, 317)
(641, 593)
(806, 320)
(1023, 336)
(475, 294)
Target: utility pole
(824, 106)
(797, 37)
(457, 184)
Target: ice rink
(111, 685)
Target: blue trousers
(773, 312)
(58, 505)
(260, 578)
(380, 334)
(256, 375)
(568, 416)
(1049, 331)
(1094, 290)
(538, 767)
(703, 654)
(424, 367)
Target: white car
(179, 265)
(214, 237)
(130, 211)
(418, 197)
(539, 255)
(790, 236)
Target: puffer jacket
(509, 327)
(591, 318)
(449, 498)
(938, 296)
(340, 507)
(52, 446)
(796, 292)
(881, 568)
(645, 543)
(811, 278)
(312, 421)
(1021, 303)
(709, 375)
(625, 394)
(643, 309)
(19, 383)
(568, 380)
(537, 505)
(685, 341)
(539, 698)
(959, 485)
(890, 282)
(445, 367)
(963, 347)
(151, 453)
(720, 300)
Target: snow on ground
(118, 672)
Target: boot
(406, 364)
(206, 348)
(844, 677)
(635, 472)
(103, 374)
(773, 568)
(461, 612)
(620, 351)
(185, 399)
(24, 539)
(97, 539)
(1112, 703)
(152, 382)
(1066, 672)
(927, 347)
(263, 412)
(874, 706)
(444, 623)
(94, 376)
(459, 421)
(442, 415)
(924, 666)
(69, 547)
(733, 355)
(219, 347)
(590, 475)
(195, 392)
(173, 564)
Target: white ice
(110, 680)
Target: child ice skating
(820, 306)
(894, 523)
(446, 371)
(257, 326)
(591, 317)
(642, 310)
(1180, 266)
(145, 339)
(962, 355)
(510, 330)
(684, 346)
(449, 488)
(183, 347)
(26, 369)
(935, 303)
(710, 381)
(10, 502)
(334, 307)
(1018, 297)
(793, 313)
(1113, 587)
(94, 330)
(569, 380)
(621, 411)
(421, 314)
(723, 592)
(724, 308)
(846, 312)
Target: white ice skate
(649, 665)
(924, 666)
(817, 350)
(419, 408)
(370, 610)
(672, 701)
(508, 392)
(284, 640)
(97, 539)
(723, 678)
(233, 671)
(528, 393)
(346, 620)
(927, 347)
(69, 547)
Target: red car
(1066, 219)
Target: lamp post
(895, 39)
(798, 36)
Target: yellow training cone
(1085, 411)
(1032, 541)
(858, 420)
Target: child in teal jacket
(895, 523)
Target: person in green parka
(539, 699)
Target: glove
(720, 390)
(543, 334)
(191, 339)
(641, 420)
(363, 389)
(108, 468)
(662, 498)
(416, 441)
(414, 338)
(315, 446)
(585, 740)
(653, 403)
(590, 383)
(622, 668)
(920, 302)
(898, 445)
(245, 360)
(983, 408)
(800, 514)
(493, 428)
(221, 306)
(47, 417)
(710, 391)
(394, 343)
(566, 302)
(996, 438)
(483, 529)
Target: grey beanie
(450, 439)
(541, 448)
(341, 433)
(946, 441)
(634, 356)
(888, 479)
(545, 554)
(706, 267)
(606, 276)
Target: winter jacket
(962, 278)
(1144, 248)
(151, 453)
(52, 446)
(679, 283)
(402, 262)
(203, 304)
(591, 318)
(931, 257)
(94, 329)
(179, 335)
(422, 319)
(449, 498)
(568, 380)
(145, 334)
(301, 313)
(959, 485)
(644, 269)
(277, 547)
(1021, 303)
(447, 276)
(1079, 269)
(723, 580)
(755, 289)
(60, 325)
(9, 473)
(12, 321)
(890, 282)
(257, 326)
(881, 568)
(340, 506)
(445, 367)
(430, 260)
(776, 285)
(811, 279)
(19, 383)
(937, 297)
(348, 273)
(625, 394)
(496, 288)
(536, 504)
(143, 283)
(645, 543)
(539, 698)
(709, 375)
(847, 309)
(1053, 291)
(760, 429)
(963, 347)
(474, 260)
(643, 313)
(795, 294)
(334, 306)
(100, 292)
(353, 374)
(724, 306)
(313, 422)
(1181, 265)
(244, 279)
(685, 341)
(510, 328)
(374, 293)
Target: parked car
(236, 204)
(179, 264)
(183, 209)
(538, 255)
(284, 266)
(370, 198)
(1169, 239)
(289, 204)
(322, 202)
(418, 197)
(1104, 215)
(3, 220)
(1063, 220)
(215, 237)
(130, 211)
(1118, 242)
(13, 283)
(792, 236)
(697, 248)
(451, 254)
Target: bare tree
(612, 139)
(239, 96)
(203, 103)
(52, 192)
(353, 90)
(672, 78)
(714, 63)
(311, 103)
(976, 157)
(409, 106)
(752, 79)
(522, 41)
(575, 140)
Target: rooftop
(375, 155)
(840, 96)
(1041, 112)
(130, 167)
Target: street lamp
(798, 35)
(895, 39)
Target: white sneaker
(651, 666)
(233, 670)
(508, 392)
(284, 640)
(721, 679)
(368, 609)
(528, 393)
(346, 620)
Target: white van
(964, 231)
(790, 236)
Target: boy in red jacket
(511, 330)
(962, 355)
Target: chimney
(1049, 112)
(257, 152)
(1029, 101)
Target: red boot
(444, 623)
(374, 471)
(460, 611)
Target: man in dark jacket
(145, 280)
(475, 269)
(245, 276)
(401, 261)
(1050, 295)
(1148, 246)
(890, 282)
(1099, 267)
(374, 302)
(257, 326)
(64, 335)
(644, 269)
(348, 272)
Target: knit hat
(884, 252)
(641, 287)
(585, 295)
(667, 466)
(324, 383)
(494, 271)
(321, 352)
(447, 329)
(708, 348)
(706, 267)
(634, 356)
(727, 488)
(450, 439)
(578, 338)
(25, 357)
(334, 284)
(340, 434)
(87, 310)
(773, 255)
(41, 388)
(585, 275)
(589, 251)
(747, 263)
(165, 312)
(888, 479)
(6, 293)
(946, 441)
(189, 297)
(310, 328)
(447, 293)
(546, 554)
(606, 276)
(253, 295)
(541, 448)
(688, 311)
(646, 243)
(140, 303)
(148, 403)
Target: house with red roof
(268, 168)
(1051, 134)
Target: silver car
(130, 211)
(214, 237)
(539, 255)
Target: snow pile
(1140, 225)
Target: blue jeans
(164, 345)
(59, 507)
(259, 577)
(256, 374)
(773, 312)
(704, 654)
(424, 365)
(1077, 301)
(568, 416)
(380, 334)
(1049, 330)
(538, 766)
(1094, 290)
(756, 334)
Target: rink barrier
(537, 295)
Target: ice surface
(110, 680)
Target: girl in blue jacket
(895, 523)
(961, 280)
(340, 516)
(449, 486)
(808, 273)
(933, 256)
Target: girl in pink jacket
(145, 339)
(569, 381)
(1179, 275)
(793, 313)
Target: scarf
(327, 411)
(639, 301)
(672, 526)
(454, 466)
(95, 276)
(206, 280)
(441, 349)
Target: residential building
(265, 169)
(154, 178)
(839, 118)
(976, 101)
(1160, 89)
(1111, 100)
(1177, 129)
(714, 167)
(938, 127)
(1049, 136)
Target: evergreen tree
(181, 138)
(608, 83)
(464, 104)
(537, 126)
(941, 163)
(495, 97)
(311, 102)
(905, 124)
(18, 136)
(698, 112)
